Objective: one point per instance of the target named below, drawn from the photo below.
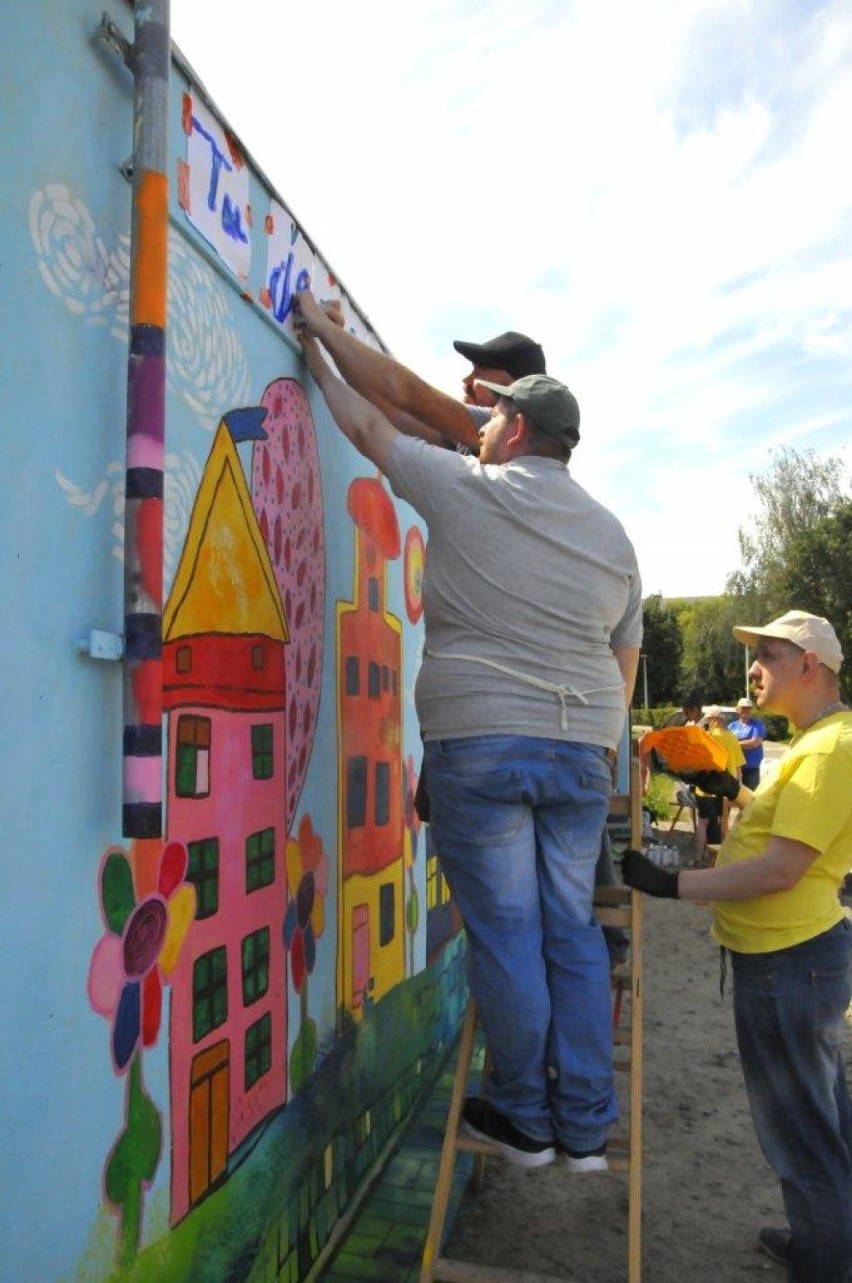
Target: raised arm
(370, 431)
(412, 405)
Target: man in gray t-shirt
(533, 615)
(420, 410)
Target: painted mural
(253, 1002)
(371, 956)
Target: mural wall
(213, 1036)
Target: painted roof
(224, 582)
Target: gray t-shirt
(526, 571)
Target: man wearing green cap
(417, 409)
(533, 620)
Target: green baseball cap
(550, 405)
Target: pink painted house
(225, 634)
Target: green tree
(796, 494)
(819, 578)
(662, 648)
(797, 555)
(713, 663)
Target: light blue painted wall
(64, 229)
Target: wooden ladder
(614, 906)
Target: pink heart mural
(287, 498)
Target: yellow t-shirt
(731, 745)
(808, 799)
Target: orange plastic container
(686, 748)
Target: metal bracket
(115, 39)
(100, 644)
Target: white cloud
(657, 192)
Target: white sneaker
(582, 1163)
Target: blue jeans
(789, 1008)
(517, 823)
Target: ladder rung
(614, 917)
(612, 895)
(471, 1145)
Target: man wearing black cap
(420, 410)
(533, 620)
(502, 360)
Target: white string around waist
(561, 690)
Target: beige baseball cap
(808, 632)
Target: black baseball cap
(515, 353)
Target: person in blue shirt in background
(751, 732)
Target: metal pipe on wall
(142, 791)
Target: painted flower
(307, 883)
(137, 954)
(415, 565)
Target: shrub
(656, 718)
(660, 795)
(777, 727)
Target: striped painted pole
(142, 797)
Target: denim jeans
(516, 823)
(789, 1008)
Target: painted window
(203, 873)
(356, 792)
(374, 681)
(432, 888)
(373, 592)
(209, 992)
(260, 859)
(258, 1049)
(387, 913)
(258, 657)
(353, 675)
(360, 953)
(382, 792)
(183, 659)
(192, 756)
(255, 966)
(261, 751)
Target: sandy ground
(706, 1186)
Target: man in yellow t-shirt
(774, 892)
(708, 824)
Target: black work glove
(643, 875)
(718, 783)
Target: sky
(659, 193)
